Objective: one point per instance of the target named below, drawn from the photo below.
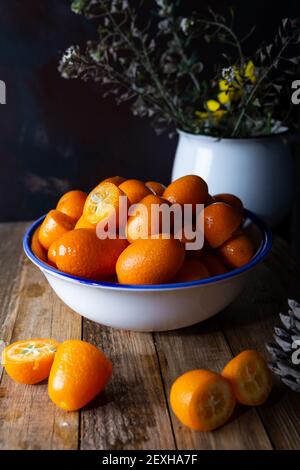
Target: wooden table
(133, 412)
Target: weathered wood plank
(11, 262)
(132, 411)
(249, 322)
(204, 346)
(28, 419)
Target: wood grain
(28, 419)
(11, 264)
(132, 413)
(203, 347)
(249, 323)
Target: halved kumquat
(29, 361)
(202, 400)
(103, 203)
(250, 378)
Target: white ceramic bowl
(153, 307)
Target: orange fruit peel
(135, 190)
(237, 251)
(37, 248)
(81, 253)
(190, 189)
(80, 371)
(220, 222)
(54, 226)
(72, 203)
(191, 270)
(156, 187)
(117, 180)
(150, 261)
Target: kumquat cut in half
(250, 378)
(29, 361)
(103, 203)
(202, 400)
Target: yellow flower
(224, 97)
(201, 114)
(249, 71)
(212, 105)
(223, 85)
(220, 113)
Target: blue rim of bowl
(263, 250)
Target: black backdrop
(57, 134)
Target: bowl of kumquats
(145, 257)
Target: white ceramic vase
(258, 170)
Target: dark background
(58, 134)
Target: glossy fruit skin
(209, 200)
(37, 248)
(237, 251)
(230, 199)
(151, 261)
(236, 373)
(82, 223)
(54, 226)
(117, 180)
(190, 189)
(189, 396)
(52, 253)
(212, 261)
(29, 370)
(81, 253)
(141, 224)
(156, 187)
(79, 373)
(135, 190)
(191, 270)
(72, 203)
(220, 222)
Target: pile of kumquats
(68, 239)
(78, 371)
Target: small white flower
(69, 53)
(228, 74)
(184, 25)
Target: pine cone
(286, 352)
